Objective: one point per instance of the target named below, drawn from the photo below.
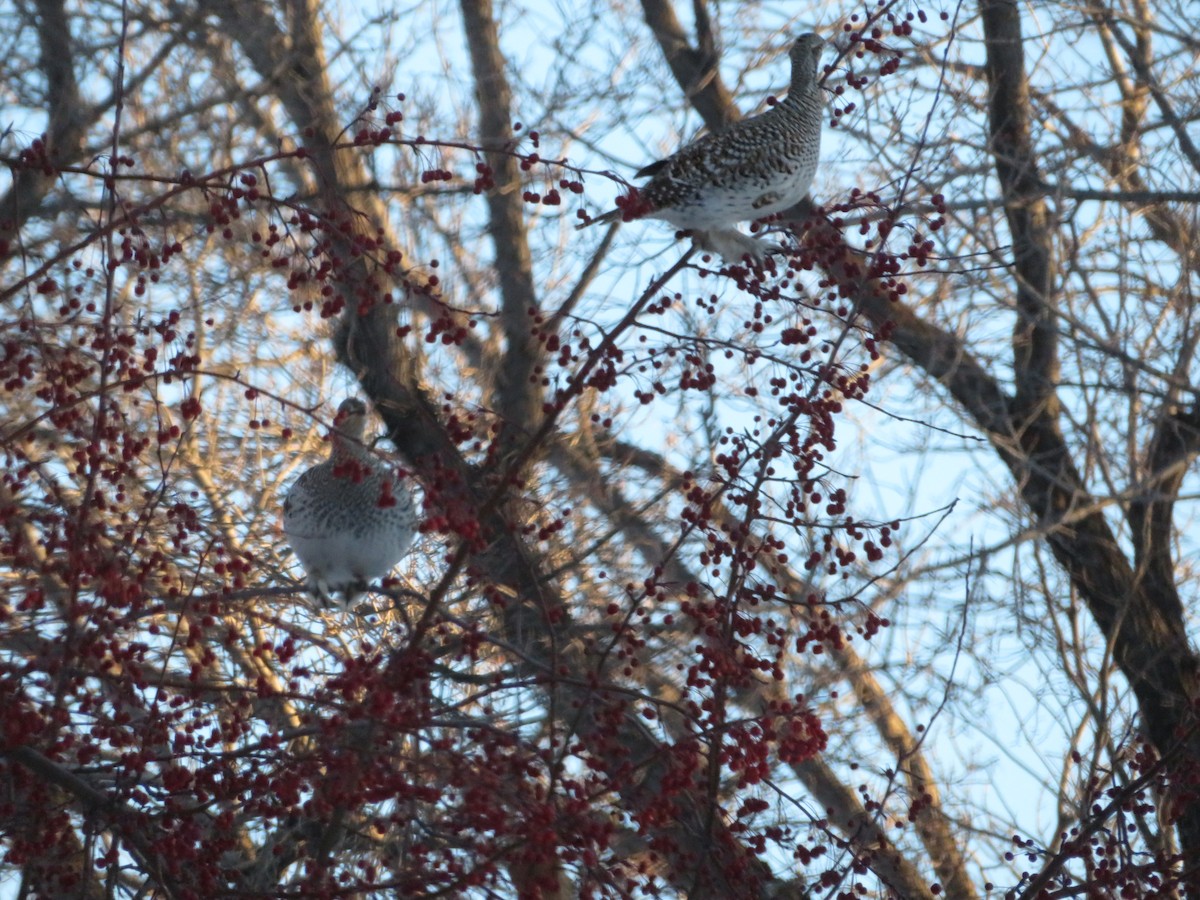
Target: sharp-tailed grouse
(348, 519)
(756, 167)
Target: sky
(889, 478)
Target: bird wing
(745, 146)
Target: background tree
(864, 575)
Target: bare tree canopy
(861, 570)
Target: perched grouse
(756, 167)
(348, 519)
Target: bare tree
(727, 571)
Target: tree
(725, 569)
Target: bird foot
(319, 589)
(733, 246)
(337, 596)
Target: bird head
(351, 419)
(806, 56)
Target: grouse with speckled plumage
(755, 168)
(349, 519)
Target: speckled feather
(756, 167)
(333, 518)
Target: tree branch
(95, 804)
(537, 617)
(842, 805)
(1148, 635)
(1035, 335)
(65, 131)
(695, 70)
(1146, 77)
(518, 398)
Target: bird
(755, 168)
(348, 519)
